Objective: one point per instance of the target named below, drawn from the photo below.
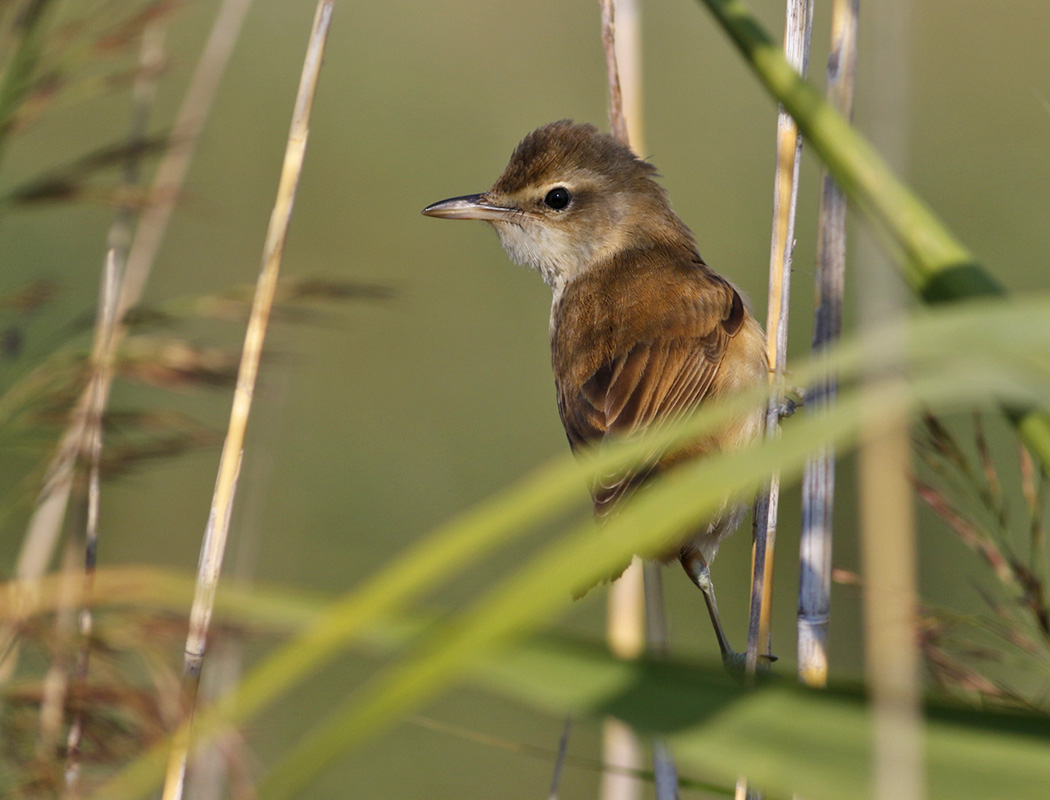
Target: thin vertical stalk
(665, 773)
(628, 39)
(216, 533)
(54, 691)
(215, 771)
(640, 587)
(563, 752)
(143, 93)
(797, 32)
(818, 482)
(888, 546)
(617, 121)
(890, 603)
(622, 755)
(629, 61)
(626, 607)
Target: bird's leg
(696, 568)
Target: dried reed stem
(818, 482)
(626, 608)
(55, 686)
(637, 596)
(151, 56)
(797, 30)
(216, 533)
(628, 40)
(617, 121)
(625, 604)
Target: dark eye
(557, 198)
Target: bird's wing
(654, 382)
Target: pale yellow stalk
(216, 533)
(785, 193)
(625, 625)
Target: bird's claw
(789, 405)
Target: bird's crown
(561, 149)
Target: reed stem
(797, 32)
(626, 604)
(216, 533)
(818, 482)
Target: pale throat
(559, 255)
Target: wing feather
(657, 383)
(621, 369)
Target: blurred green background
(382, 421)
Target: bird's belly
(707, 539)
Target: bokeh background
(380, 421)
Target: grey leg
(696, 568)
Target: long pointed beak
(471, 206)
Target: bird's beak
(471, 206)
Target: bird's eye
(557, 198)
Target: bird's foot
(792, 402)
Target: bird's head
(570, 197)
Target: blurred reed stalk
(216, 533)
(797, 33)
(888, 546)
(151, 58)
(665, 773)
(643, 588)
(626, 603)
(818, 482)
(890, 596)
(24, 41)
(560, 757)
(45, 524)
(126, 267)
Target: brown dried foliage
(1003, 657)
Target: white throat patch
(558, 256)
(541, 247)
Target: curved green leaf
(966, 356)
(786, 738)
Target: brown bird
(642, 330)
